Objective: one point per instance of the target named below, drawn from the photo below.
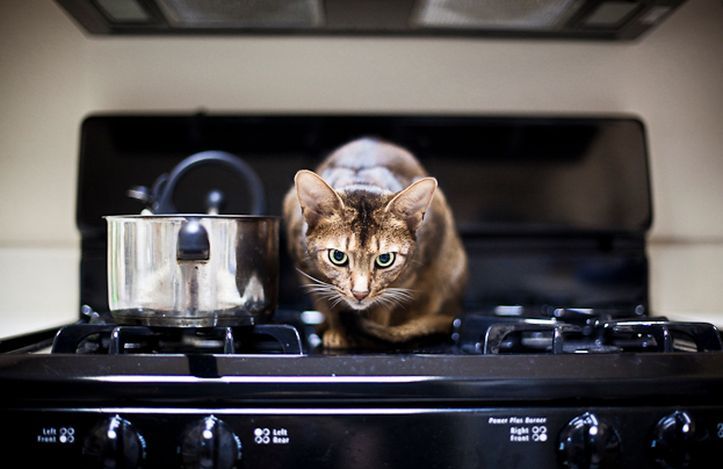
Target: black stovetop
(486, 359)
(524, 353)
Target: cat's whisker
(319, 287)
(392, 300)
(387, 302)
(378, 301)
(322, 292)
(401, 295)
(324, 288)
(311, 277)
(401, 300)
(336, 300)
(329, 298)
(393, 297)
(313, 287)
(384, 300)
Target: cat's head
(361, 240)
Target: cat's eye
(338, 257)
(385, 260)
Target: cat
(376, 246)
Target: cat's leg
(412, 329)
(335, 335)
(333, 332)
(337, 339)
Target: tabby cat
(375, 244)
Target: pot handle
(193, 242)
(164, 202)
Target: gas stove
(501, 392)
(573, 370)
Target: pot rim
(184, 216)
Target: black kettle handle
(164, 203)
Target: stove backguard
(553, 210)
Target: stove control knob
(673, 440)
(588, 442)
(210, 444)
(114, 443)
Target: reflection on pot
(151, 283)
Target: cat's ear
(411, 203)
(316, 197)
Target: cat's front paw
(336, 339)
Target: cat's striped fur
(382, 202)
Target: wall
(53, 75)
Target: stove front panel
(367, 438)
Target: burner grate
(114, 340)
(499, 335)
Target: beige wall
(52, 75)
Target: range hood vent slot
(242, 13)
(571, 19)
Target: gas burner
(116, 339)
(580, 331)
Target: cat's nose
(360, 295)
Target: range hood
(572, 19)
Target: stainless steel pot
(192, 270)
(187, 270)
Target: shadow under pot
(192, 270)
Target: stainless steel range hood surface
(572, 19)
